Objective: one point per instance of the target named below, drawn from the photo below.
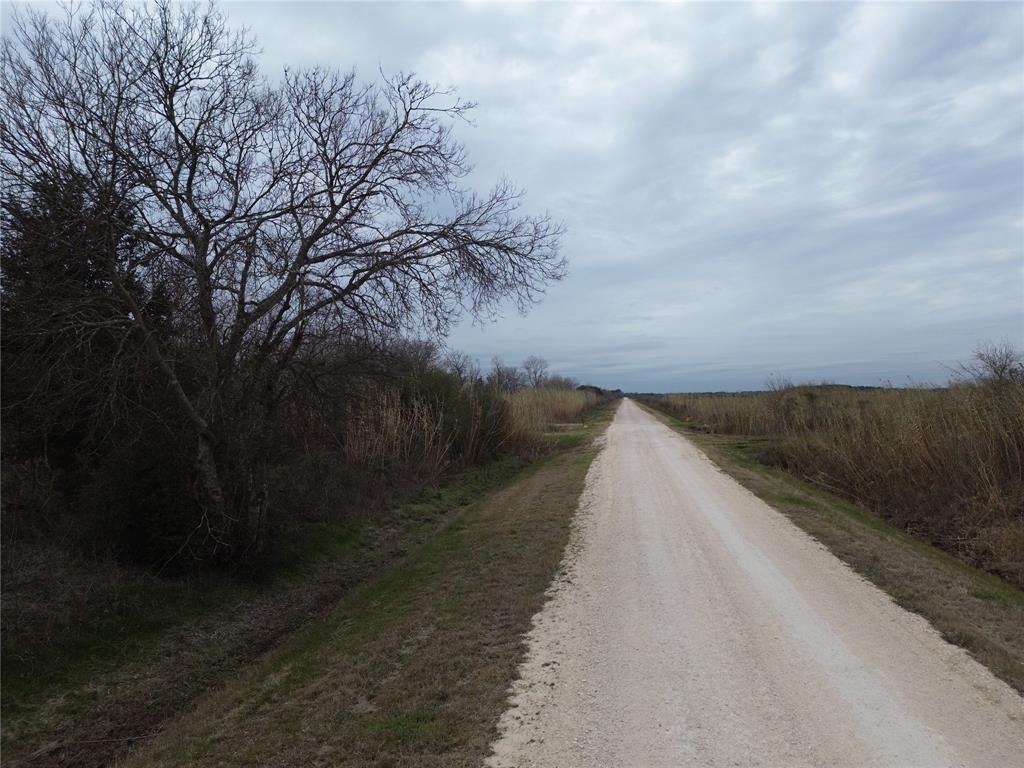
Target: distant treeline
(772, 384)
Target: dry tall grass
(427, 435)
(390, 432)
(534, 411)
(945, 464)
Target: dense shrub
(304, 216)
(354, 438)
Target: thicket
(386, 423)
(99, 459)
(945, 464)
(210, 283)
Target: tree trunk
(256, 507)
(234, 496)
(210, 490)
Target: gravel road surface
(693, 625)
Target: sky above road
(819, 191)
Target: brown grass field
(944, 464)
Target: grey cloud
(817, 190)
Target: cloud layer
(818, 190)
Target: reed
(946, 464)
(427, 433)
(532, 412)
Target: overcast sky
(823, 191)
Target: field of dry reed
(945, 464)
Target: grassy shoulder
(146, 647)
(969, 607)
(413, 667)
(152, 647)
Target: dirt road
(695, 626)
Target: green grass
(172, 640)
(145, 609)
(129, 625)
(413, 667)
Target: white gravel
(693, 625)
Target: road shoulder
(970, 608)
(414, 667)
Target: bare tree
(281, 215)
(463, 366)
(998, 364)
(535, 369)
(506, 378)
